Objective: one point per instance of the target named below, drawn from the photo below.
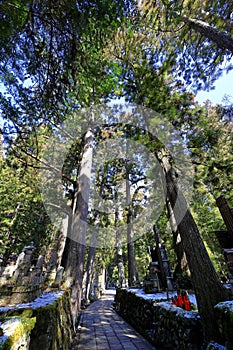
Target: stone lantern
(151, 282)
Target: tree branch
(221, 39)
(49, 166)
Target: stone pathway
(101, 328)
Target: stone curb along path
(101, 328)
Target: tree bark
(227, 214)
(181, 261)
(75, 243)
(133, 279)
(221, 39)
(92, 249)
(207, 286)
(90, 272)
(120, 263)
(91, 262)
(62, 241)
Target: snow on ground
(226, 305)
(179, 311)
(160, 296)
(43, 300)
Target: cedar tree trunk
(77, 236)
(132, 271)
(207, 286)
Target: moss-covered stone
(16, 332)
(48, 322)
(53, 327)
(224, 316)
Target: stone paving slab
(101, 328)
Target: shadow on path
(101, 328)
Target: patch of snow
(179, 311)
(216, 346)
(160, 296)
(226, 305)
(228, 285)
(5, 308)
(9, 326)
(45, 299)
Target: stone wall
(224, 316)
(44, 324)
(13, 295)
(175, 328)
(168, 327)
(27, 276)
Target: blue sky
(223, 86)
